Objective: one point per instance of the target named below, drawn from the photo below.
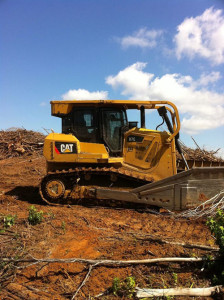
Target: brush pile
(19, 141)
(199, 154)
(206, 209)
(16, 142)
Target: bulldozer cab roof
(61, 108)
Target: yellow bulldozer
(102, 155)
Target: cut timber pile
(16, 142)
(200, 154)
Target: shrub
(9, 220)
(124, 288)
(35, 216)
(216, 225)
(175, 278)
(116, 286)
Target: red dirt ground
(85, 231)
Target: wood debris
(16, 142)
(199, 154)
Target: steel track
(72, 178)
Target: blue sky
(129, 49)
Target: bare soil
(87, 231)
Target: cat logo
(65, 148)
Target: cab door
(114, 121)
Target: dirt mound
(16, 142)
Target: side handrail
(174, 114)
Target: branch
(107, 262)
(83, 282)
(186, 245)
(38, 144)
(200, 292)
(207, 208)
(196, 143)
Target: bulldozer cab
(98, 125)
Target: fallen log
(193, 292)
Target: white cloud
(206, 79)
(201, 108)
(43, 104)
(82, 94)
(202, 36)
(142, 38)
(132, 80)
